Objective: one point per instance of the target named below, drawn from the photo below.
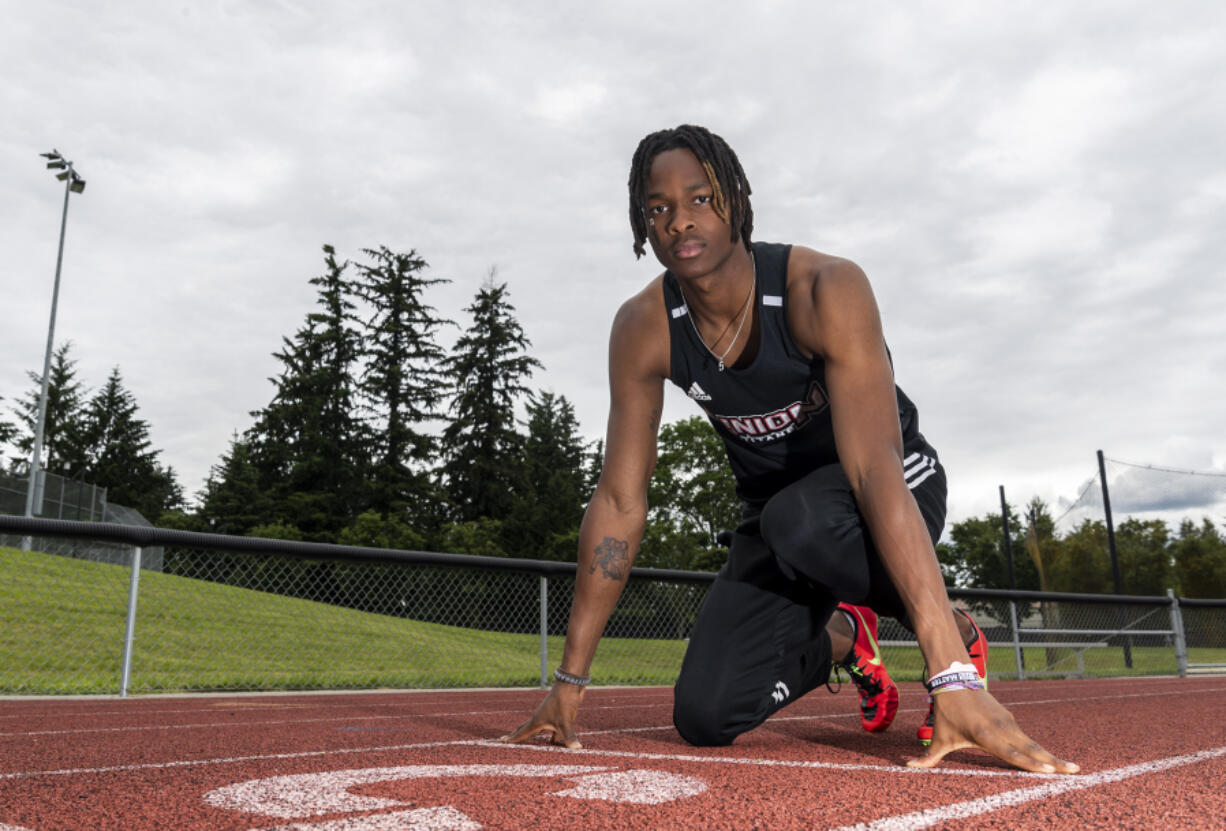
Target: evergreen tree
(118, 453)
(233, 501)
(63, 452)
(8, 431)
(309, 446)
(544, 524)
(1041, 538)
(487, 371)
(592, 468)
(401, 387)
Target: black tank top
(773, 415)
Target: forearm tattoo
(613, 557)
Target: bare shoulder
(639, 340)
(827, 295)
(813, 273)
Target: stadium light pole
(73, 183)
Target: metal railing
(224, 612)
(240, 613)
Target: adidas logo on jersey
(781, 692)
(697, 393)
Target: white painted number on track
(422, 819)
(313, 794)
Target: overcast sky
(1037, 192)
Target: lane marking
(784, 763)
(995, 802)
(494, 744)
(1189, 684)
(237, 759)
(360, 701)
(477, 742)
(270, 723)
(419, 819)
(360, 718)
(312, 794)
(637, 787)
(315, 794)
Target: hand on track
(556, 714)
(973, 718)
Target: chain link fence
(230, 613)
(55, 497)
(266, 619)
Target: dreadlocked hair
(728, 181)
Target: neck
(719, 294)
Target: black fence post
(1115, 557)
(1004, 519)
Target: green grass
(906, 663)
(62, 624)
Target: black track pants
(760, 639)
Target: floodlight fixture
(74, 184)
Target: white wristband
(956, 668)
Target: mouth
(687, 249)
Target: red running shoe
(978, 650)
(878, 694)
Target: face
(687, 235)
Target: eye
(702, 200)
(656, 210)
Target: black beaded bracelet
(566, 678)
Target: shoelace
(837, 680)
(866, 683)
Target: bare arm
(613, 524)
(869, 440)
(843, 326)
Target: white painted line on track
(182, 763)
(237, 759)
(995, 802)
(276, 722)
(246, 701)
(780, 763)
(514, 711)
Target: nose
(680, 219)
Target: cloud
(569, 102)
(1037, 195)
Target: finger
(528, 730)
(565, 738)
(937, 751)
(1012, 746)
(1027, 754)
(1008, 743)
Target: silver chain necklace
(744, 316)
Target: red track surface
(1153, 752)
